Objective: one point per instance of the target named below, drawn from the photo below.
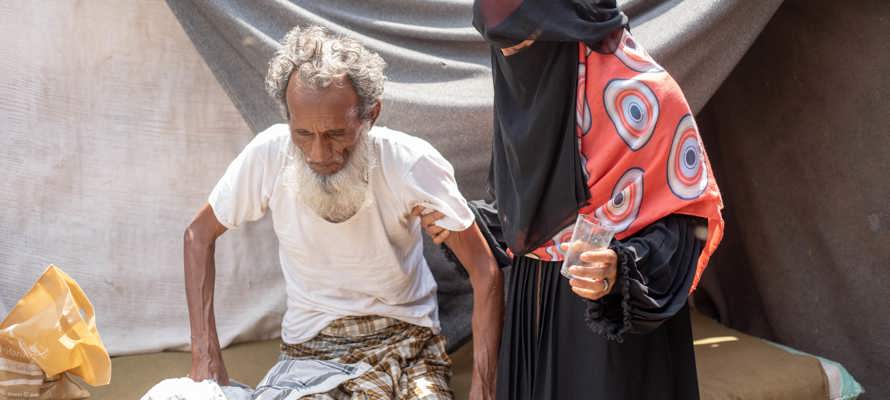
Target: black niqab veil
(536, 171)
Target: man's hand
(480, 389)
(596, 277)
(428, 222)
(209, 366)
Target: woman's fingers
(433, 230)
(596, 285)
(509, 51)
(428, 219)
(431, 218)
(605, 256)
(588, 294)
(591, 272)
(441, 236)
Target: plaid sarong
(403, 361)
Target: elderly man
(345, 198)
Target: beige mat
(132, 376)
(731, 365)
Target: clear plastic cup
(588, 234)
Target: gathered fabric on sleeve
(655, 271)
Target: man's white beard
(338, 196)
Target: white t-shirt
(370, 264)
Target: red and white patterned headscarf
(640, 148)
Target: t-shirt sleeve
(430, 183)
(242, 194)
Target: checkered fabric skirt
(406, 361)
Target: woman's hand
(509, 51)
(428, 222)
(596, 277)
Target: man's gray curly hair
(318, 60)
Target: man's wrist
(484, 382)
(205, 344)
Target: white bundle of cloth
(187, 389)
(289, 379)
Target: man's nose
(319, 151)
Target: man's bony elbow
(195, 237)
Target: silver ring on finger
(606, 285)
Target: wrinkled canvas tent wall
(113, 133)
(439, 84)
(798, 138)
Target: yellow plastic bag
(51, 331)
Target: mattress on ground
(247, 363)
(731, 365)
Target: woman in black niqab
(633, 343)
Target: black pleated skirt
(548, 351)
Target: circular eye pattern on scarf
(634, 56)
(633, 109)
(624, 206)
(553, 250)
(583, 116)
(686, 171)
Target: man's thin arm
(488, 304)
(200, 273)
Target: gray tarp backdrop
(439, 80)
(114, 130)
(798, 137)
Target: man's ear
(375, 112)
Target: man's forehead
(334, 100)
(337, 88)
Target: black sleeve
(655, 271)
